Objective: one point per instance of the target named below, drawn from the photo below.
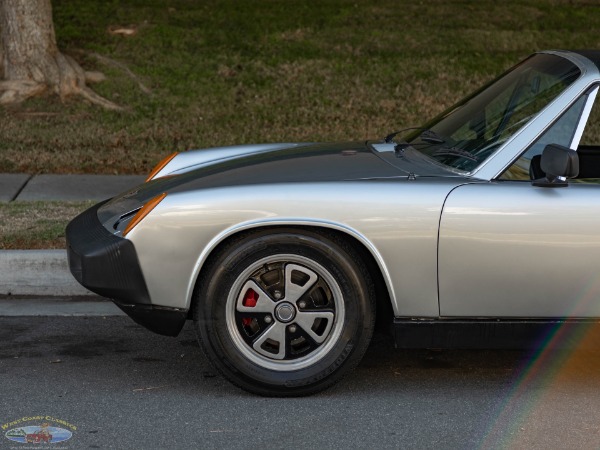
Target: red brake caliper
(249, 301)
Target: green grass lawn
(233, 72)
(35, 225)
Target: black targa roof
(592, 55)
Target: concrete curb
(58, 306)
(37, 272)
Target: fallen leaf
(123, 31)
(150, 388)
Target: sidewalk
(45, 272)
(23, 187)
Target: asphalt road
(124, 387)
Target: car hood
(304, 164)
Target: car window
(527, 167)
(589, 148)
(591, 134)
(561, 132)
(468, 133)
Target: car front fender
(395, 220)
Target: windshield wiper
(431, 137)
(389, 137)
(451, 151)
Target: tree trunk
(1, 55)
(32, 63)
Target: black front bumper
(108, 265)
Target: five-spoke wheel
(285, 311)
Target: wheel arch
(374, 262)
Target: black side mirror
(558, 163)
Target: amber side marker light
(160, 165)
(143, 212)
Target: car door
(511, 249)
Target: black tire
(285, 355)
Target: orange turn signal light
(143, 212)
(160, 165)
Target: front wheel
(285, 312)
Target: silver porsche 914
(478, 229)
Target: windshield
(465, 135)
